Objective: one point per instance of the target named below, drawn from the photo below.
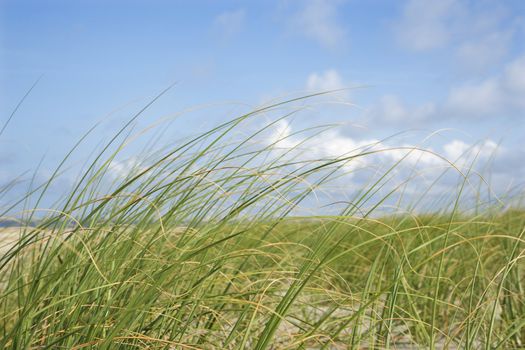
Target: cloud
(329, 80)
(121, 169)
(230, 23)
(457, 149)
(480, 34)
(281, 136)
(329, 144)
(514, 78)
(476, 99)
(333, 144)
(325, 81)
(484, 51)
(391, 109)
(425, 25)
(428, 170)
(500, 95)
(318, 21)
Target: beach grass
(201, 246)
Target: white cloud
(391, 109)
(460, 152)
(122, 169)
(479, 34)
(421, 165)
(329, 80)
(457, 149)
(425, 25)
(501, 95)
(514, 78)
(495, 96)
(414, 155)
(330, 144)
(485, 50)
(476, 99)
(281, 135)
(325, 81)
(318, 21)
(230, 23)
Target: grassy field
(200, 247)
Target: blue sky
(418, 65)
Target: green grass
(200, 247)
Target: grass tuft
(205, 245)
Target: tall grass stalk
(200, 246)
